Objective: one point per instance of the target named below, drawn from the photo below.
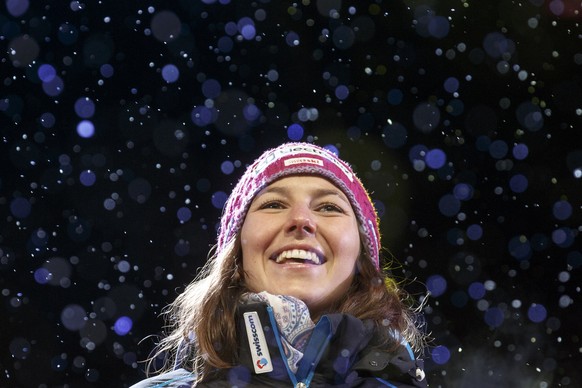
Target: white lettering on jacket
(257, 343)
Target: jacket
(339, 353)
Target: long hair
(203, 316)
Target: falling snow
(126, 124)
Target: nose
(301, 222)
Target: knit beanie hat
(300, 159)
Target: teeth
(298, 254)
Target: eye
(271, 204)
(330, 208)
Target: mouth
(299, 255)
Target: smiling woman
(294, 295)
(300, 238)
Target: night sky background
(125, 124)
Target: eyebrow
(285, 190)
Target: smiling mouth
(298, 255)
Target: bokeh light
(124, 129)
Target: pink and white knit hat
(300, 159)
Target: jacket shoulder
(179, 378)
(400, 367)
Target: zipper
(296, 384)
(321, 335)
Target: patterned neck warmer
(293, 320)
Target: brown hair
(204, 314)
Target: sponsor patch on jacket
(257, 343)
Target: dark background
(463, 118)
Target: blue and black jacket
(341, 352)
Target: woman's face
(300, 238)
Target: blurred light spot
(562, 210)
(463, 191)
(122, 325)
(84, 107)
(308, 114)
(343, 37)
(46, 73)
(87, 178)
(380, 207)
(74, 317)
(474, 232)
(537, 313)
(166, 26)
(436, 285)
(47, 120)
(251, 113)
(170, 73)
(565, 301)
(182, 248)
(124, 266)
(494, 317)
(498, 149)
(451, 84)
(42, 276)
(563, 237)
(106, 70)
(440, 355)
(530, 116)
(435, 158)
(476, 290)
(342, 92)
(520, 248)
(395, 96)
(23, 50)
(20, 348)
(85, 129)
(54, 87)
(20, 207)
(246, 27)
(248, 31)
(520, 151)
(426, 117)
(295, 132)
(59, 271)
(225, 44)
(227, 167)
(211, 88)
(218, 199)
(272, 75)
(202, 116)
(17, 8)
(497, 45)
(292, 39)
(449, 205)
(93, 333)
(557, 7)
(333, 149)
(109, 204)
(518, 183)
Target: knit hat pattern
(300, 159)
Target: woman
(294, 295)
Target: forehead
(304, 183)
(305, 180)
